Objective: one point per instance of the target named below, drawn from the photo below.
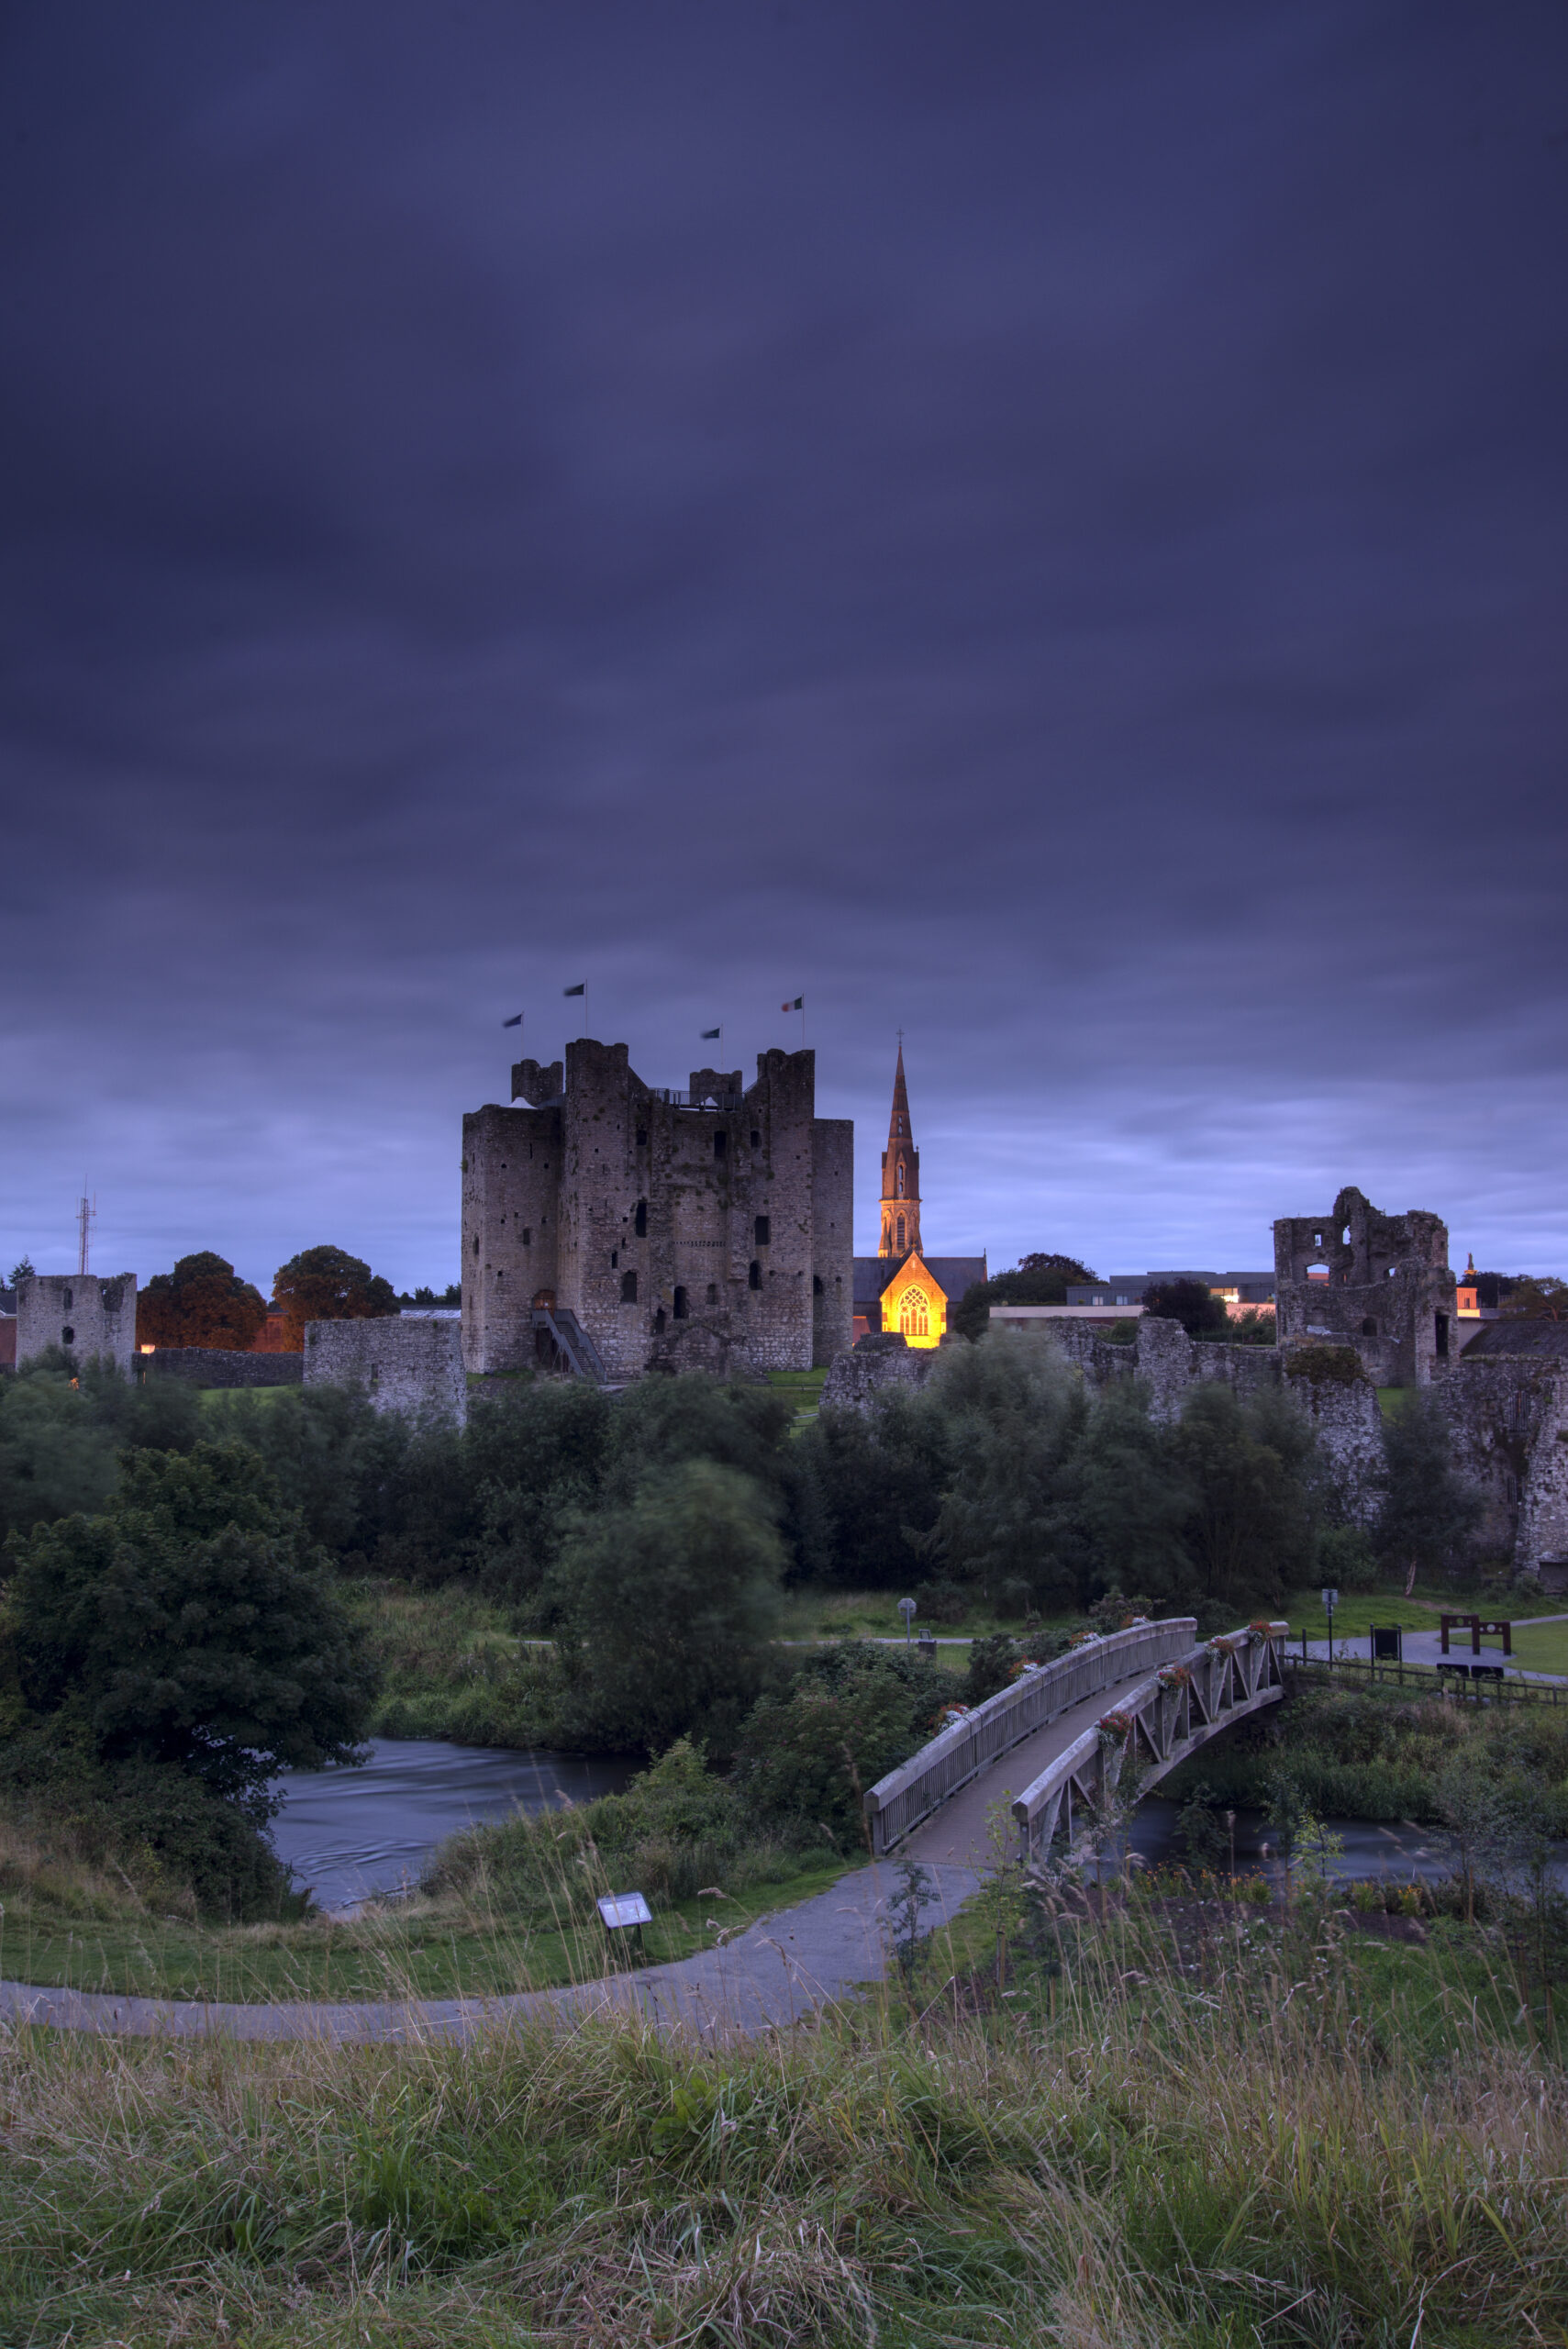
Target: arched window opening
(643, 1136)
(1369, 1328)
(754, 1276)
(761, 1230)
(815, 1283)
(658, 1322)
(1441, 1320)
(640, 1220)
(914, 1315)
(713, 1292)
(898, 1180)
(629, 1288)
(1316, 1272)
(900, 1230)
(680, 1305)
(1345, 1237)
(615, 1258)
(68, 1337)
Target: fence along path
(1170, 1692)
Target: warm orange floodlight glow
(914, 1306)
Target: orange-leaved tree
(328, 1285)
(203, 1302)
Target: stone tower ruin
(613, 1226)
(1379, 1283)
(87, 1317)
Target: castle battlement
(707, 1229)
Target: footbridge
(1064, 1732)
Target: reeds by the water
(1182, 2126)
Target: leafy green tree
(1128, 1502)
(56, 1454)
(665, 1606)
(1249, 1525)
(879, 1476)
(1040, 1279)
(203, 1302)
(328, 1285)
(1015, 1414)
(1428, 1518)
(22, 1271)
(852, 1713)
(1200, 1314)
(190, 1625)
(1536, 1299)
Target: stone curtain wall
(219, 1366)
(680, 1236)
(414, 1366)
(1509, 1416)
(88, 1316)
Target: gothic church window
(914, 1317)
(899, 1181)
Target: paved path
(1426, 1648)
(776, 1971)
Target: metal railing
(899, 1801)
(1458, 1680)
(1158, 1722)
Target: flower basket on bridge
(1173, 1676)
(1227, 1646)
(1115, 1728)
(1263, 1625)
(946, 1715)
(1084, 1639)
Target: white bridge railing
(1156, 1724)
(921, 1785)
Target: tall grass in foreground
(1167, 2137)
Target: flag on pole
(515, 1021)
(798, 1004)
(711, 1035)
(581, 990)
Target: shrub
(852, 1714)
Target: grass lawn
(1358, 1610)
(827, 1612)
(1542, 1649)
(413, 1948)
(213, 1399)
(803, 1389)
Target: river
(346, 1833)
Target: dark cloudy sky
(1039, 525)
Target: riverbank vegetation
(603, 1573)
(1379, 1754)
(1184, 2126)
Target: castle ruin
(613, 1226)
(88, 1318)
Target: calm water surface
(348, 1832)
(1401, 1851)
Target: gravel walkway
(776, 1971)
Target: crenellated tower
(900, 1178)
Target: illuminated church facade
(900, 1290)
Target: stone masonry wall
(1509, 1421)
(680, 1236)
(414, 1366)
(223, 1366)
(88, 1316)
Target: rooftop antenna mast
(86, 1211)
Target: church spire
(900, 1176)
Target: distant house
(1242, 1292)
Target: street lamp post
(907, 1608)
(1330, 1600)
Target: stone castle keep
(614, 1228)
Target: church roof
(952, 1274)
